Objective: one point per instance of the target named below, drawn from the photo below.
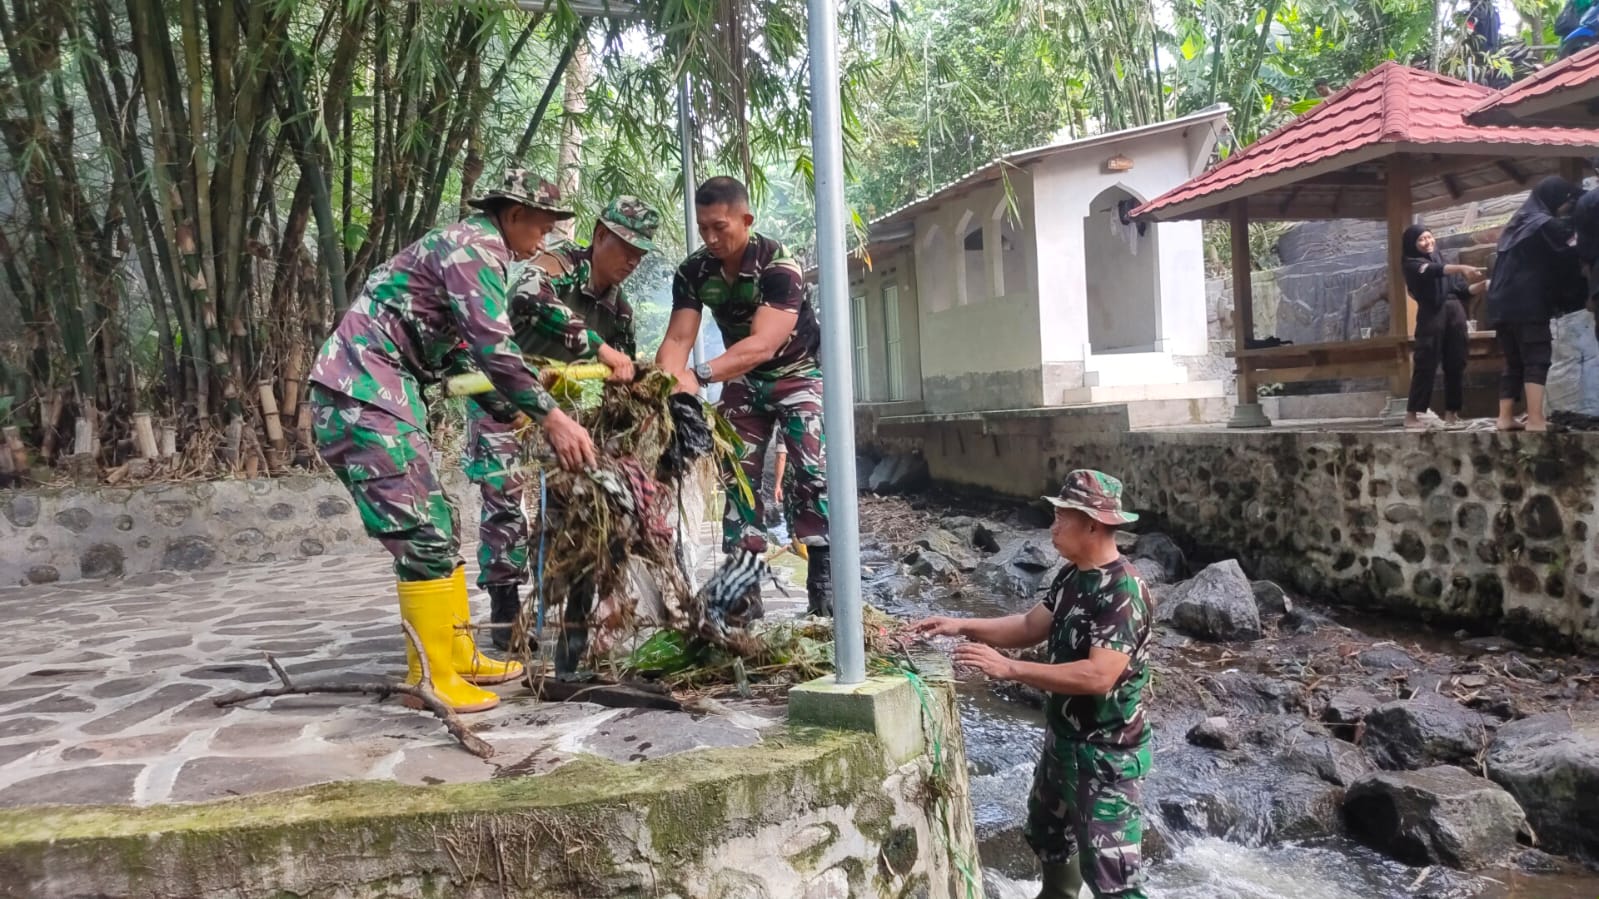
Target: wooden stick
(421, 692)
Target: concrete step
(1116, 369)
(1132, 393)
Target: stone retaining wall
(1495, 532)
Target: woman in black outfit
(1536, 276)
(1440, 292)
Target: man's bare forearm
(1009, 632)
(1083, 678)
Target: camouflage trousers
(793, 406)
(492, 451)
(387, 465)
(1085, 798)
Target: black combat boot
(573, 641)
(1062, 881)
(504, 605)
(819, 582)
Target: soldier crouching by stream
(1083, 817)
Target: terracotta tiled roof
(1389, 110)
(1558, 93)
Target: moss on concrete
(563, 827)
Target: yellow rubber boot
(473, 666)
(428, 608)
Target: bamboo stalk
(169, 441)
(18, 450)
(144, 436)
(269, 414)
(302, 428)
(52, 423)
(232, 435)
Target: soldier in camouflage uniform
(1083, 817)
(772, 377)
(567, 305)
(436, 309)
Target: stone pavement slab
(107, 689)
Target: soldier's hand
(686, 382)
(984, 658)
(620, 363)
(571, 442)
(939, 626)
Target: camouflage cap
(522, 186)
(633, 220)
(1094, 493)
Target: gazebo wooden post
(1247, 414)
(1401, 322)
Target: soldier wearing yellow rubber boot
(435, 310)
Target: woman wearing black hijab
(1536, 276)
(1441, 293)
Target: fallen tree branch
(421, 692)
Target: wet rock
(1333, 760)
(949, 545)
(1424, 731)
(1020, 569)
(1164, 550)
(1125, 541)
(1214, 733)
(932, 565)
(1301, 621)
(1303, 808)
(1387, 658)
(1153, 573)
(1550, 764)
(898, 473)
(1217, 605)
(1478, 646)
(1346, 709)
(1248, 693)
(1271, 599)
(1439, 815)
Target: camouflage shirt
(1108, 608)
(768, 277)
(568, 321)
(435, 309)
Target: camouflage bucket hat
(633, 220)
(1094, 493)
(522, 186)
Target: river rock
(1424, 731)
(1022, 567)
(1217, 605)
(1333, 760)
(1550, 764)
(932, 565)
(1346, 709)
(1251, 693)
(951, 546)
(1440, 815)
(1214, 733)
(1152, 572)
(1387, 658)
(1164, 550)
(1271, 599)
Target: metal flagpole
(685, 139)
(838, 400)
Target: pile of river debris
(1276, 721)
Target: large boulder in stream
(1442, 815)
(1165, 552)
(950, 545)
(1550, 764)
(1022, 567)
(1424, 731)
(1218, 605)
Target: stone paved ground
(106, 692)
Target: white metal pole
(685, 139)
(838, 399)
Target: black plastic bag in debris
(691, 437)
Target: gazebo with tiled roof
(1393, 143)
(1565, 94)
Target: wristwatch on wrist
(702, 372)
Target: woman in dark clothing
(1536, 277)
(1440, 292)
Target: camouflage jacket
(568, 322)
(437, 308)
(1108, 608)
(768, 277)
